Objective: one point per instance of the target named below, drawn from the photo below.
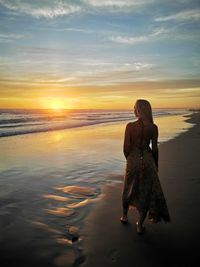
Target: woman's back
(139, 134)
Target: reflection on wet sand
(64, 241)
(70, 202)
(48, 183)
(60, 211)
(78, 190)
(79, 204)
(64, 207)
(68, 241)
(45, 227)
(56, 197)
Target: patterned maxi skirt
(142, 188)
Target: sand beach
(109, 243)
(60, 199)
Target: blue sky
(66, 47)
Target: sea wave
(17, 122)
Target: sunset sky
(99, 53)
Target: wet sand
(109, 243)
(50, 183)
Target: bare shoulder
(130, 125)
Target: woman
(142, 188)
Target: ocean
(26, 121)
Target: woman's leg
(129, 181)
(139, 224)
(124, 208)
(142, 216)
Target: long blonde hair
(143, 110)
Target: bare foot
(140, 228)
(124, 219)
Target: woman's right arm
(127, 141)
(155, 145)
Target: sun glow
(56, 104)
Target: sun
(57, 104)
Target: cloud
(157, 34)
(132, 40)
(95, 73)
(193, 15)
(71, 30)
(51, 9)
(160, 31)
(152, 87)
(129, 40)
(117, 3)
(37, 9)
(10, 37)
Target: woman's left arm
(155, 145)
(127, 141)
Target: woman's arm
(155, 145)
(127, 141)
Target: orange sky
(162, 94)
(99, 54)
